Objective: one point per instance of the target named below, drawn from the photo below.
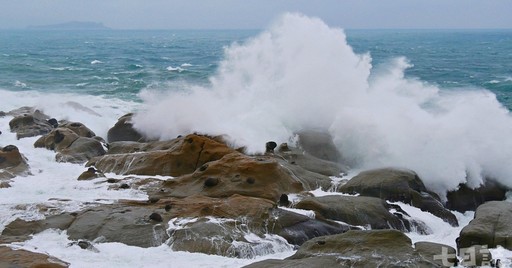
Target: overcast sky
(257, 14)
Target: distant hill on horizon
(72, 25)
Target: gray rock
(491, 227)
(359, 211)
(398, 185)
(376, 248)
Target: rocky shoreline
(223, 201)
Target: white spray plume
(302, 74)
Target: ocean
(435, 101)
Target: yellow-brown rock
(236, 173)
(181, 156)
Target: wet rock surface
(12, 163)
(398, 185)
(491, 226)
(375, 248)
(14, 258)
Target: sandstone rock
(465, 198)
(123, 130)
(398, 185)
(375, 248)
(358, 211)
(239, 174)
(22, 258)
(185, 155)
(492, 226)
(12, 163)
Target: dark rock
(492, 226)
(398, 185)
(124, 186)
(210, 182)
(53, 122)
(270, 146)
(156, 217)
(284, 201)
(123, 131)
(464, 198)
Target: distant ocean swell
(302, 74)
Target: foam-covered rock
(398, 185)
(362, 211)
(373, 248)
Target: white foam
(96, 62)
(302, 74)
(172, 69)
(117, 255)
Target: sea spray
(302, 74)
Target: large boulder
(491, 226)
(374, 248)
(465, 198)
(12, 163)
(182, 156)
(70, 146)
(235, 173)
(123, 130)
(363, 211)
(440, 254)
(127, 224)
(79, 128)
(14, 258)
(398, 185)
(239, 226)
(297, 156)
(319, 144)
(29, 125)
(131, 223)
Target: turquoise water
(122, 63)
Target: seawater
(435, 101)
